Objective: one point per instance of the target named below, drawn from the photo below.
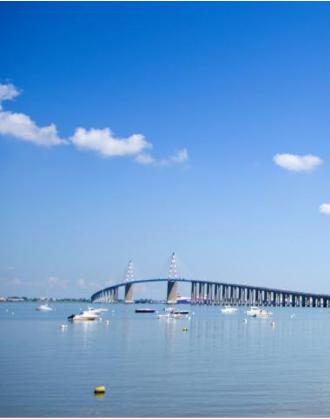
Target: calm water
(220, 367)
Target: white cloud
(297, 163)
(21, 126)
(103, 142)
(325, 209)
(7, 92)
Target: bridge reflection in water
(210, 292)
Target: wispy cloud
(21, 126)
(105, 143)
(325, 209)
(145, 159)
(179, 157)
(83, 284)
(55, 282)
(297, 163)
(8, 92)
(101, 141)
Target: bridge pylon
(129, 277)
(172, 285)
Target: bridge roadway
(210, 292)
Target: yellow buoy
(99, 390)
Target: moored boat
(86, 315)
(44, 307)
(229, 310)
(145, 310)
(258, 312)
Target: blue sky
(182, 108)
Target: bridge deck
(214, 284)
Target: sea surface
(221, 367)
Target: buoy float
(185, 329)
(273, 324)
(99, 390)
(107, 322)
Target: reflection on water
(220, 366)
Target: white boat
(229, 310)
(86, 315)
(258, 312)
(44, 307)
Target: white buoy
(292, 316)
(245, 320)
(107, 322)
(64, 326)
(273, 324)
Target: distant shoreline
(36, 300)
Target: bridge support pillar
(248, 296)
(202, 293)
(293, 303)
(171, 292)
(208, 293)
(194, 293)
(129, 294)
(115, 295)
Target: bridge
(213, 292)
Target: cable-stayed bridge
(213, 292)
